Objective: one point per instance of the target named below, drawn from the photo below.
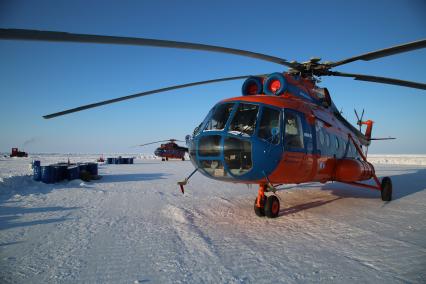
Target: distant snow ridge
(398, 159)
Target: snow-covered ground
(134, 226)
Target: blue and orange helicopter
(284, 129)
(169, 150)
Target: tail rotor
(359, 119)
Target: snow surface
(134, 226)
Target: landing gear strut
(260, 211)
(266, 206)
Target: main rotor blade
(388, 138)
(22, 34)
(383, 80)
(383, 52)
(161, 141)
(80, 108)
(153, 142)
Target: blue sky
(40, 78)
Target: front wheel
(272, 207)
(386, 189)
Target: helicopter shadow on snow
(403, 185)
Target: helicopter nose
(222, 156)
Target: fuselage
(289, 138)
(171, 151)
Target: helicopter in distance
(169, 150)
(284, 129)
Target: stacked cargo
(64, 171)
(120, 160)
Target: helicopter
(169, 150)
(284, 129)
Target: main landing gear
(386, 189)
(268, 206)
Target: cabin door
(268, 147)
(297, 147)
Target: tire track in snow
(198, 248)
(236, 250)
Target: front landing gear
(386, 189)
(272, 207)
(266, 206)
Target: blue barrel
(82, 166)
(117, 160)
(59, 171)
(126, 161)
(37, 173)
(130, 160)
(73, 172)
(110, 161)
(47, 173)
(36, 163)
(92, 168)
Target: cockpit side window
(220, 117)
(293, 136)
(269, 127)
(244, 120)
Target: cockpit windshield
(244, 121)
(269, 127)
(219, 117)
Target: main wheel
(183, 158)
(386, 187)
(272, 207)
(260, 211)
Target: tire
(386, 189)
(183, 158)
(272, 207)
(260, 211)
